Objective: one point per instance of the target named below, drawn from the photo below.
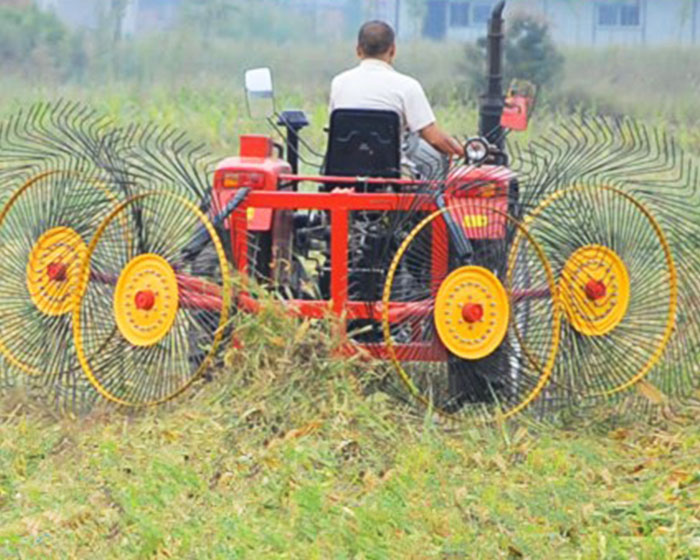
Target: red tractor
(415, 269)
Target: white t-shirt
(374, 84)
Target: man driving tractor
(375, 84)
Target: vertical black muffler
(492, 102)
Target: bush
(34, 41)
(530, 54)
(242, 19)
(23, 30)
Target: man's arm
(420, 118)
(441, 141)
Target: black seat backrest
(364, 143)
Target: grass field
(198, 88)
(290, 454)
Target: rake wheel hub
(146, 300)
(57, 271)
(596, 289)
(472, 312)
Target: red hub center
(145, 300)
(472, 312)
(595, 290)
(57, 271)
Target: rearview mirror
(519, 103)
(259, 93)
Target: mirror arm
(293, 122)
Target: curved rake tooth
(49, 134)
(165, 156)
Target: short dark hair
(375, 38)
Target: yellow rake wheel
(43, 228)
(167, 307)
(52, 270)
(472, 312)
(617, 282)
(448, 325)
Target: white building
(573, 22)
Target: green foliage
(26, 31)
(242, 19)
(529, 53)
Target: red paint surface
(57, 271)
(145, 300)
(595, 290)
(473, 312)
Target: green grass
(288, 453)
(182, 80)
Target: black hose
(201, 239)
(463, 248)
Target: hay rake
(542, 277)
(629, 189)
(64, 170)
(53, 193)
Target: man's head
(376, 40)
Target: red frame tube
(195, 293)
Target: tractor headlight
(476, 149)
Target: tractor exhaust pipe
(492, 102)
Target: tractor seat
(364, 143)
